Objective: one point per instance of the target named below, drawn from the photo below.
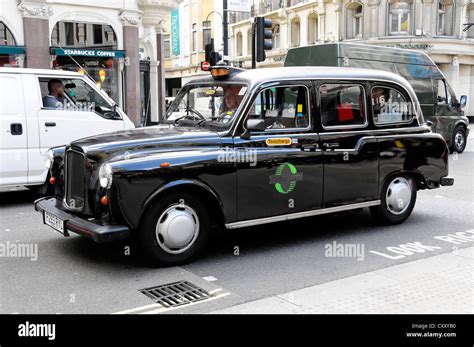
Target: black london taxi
(241, 148)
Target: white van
(28, 128)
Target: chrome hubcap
(398, 195)
(177, 228)
(459, 139)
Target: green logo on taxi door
(285, 178)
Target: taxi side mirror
(255, 125)
(463, 101)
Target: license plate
(54, 222)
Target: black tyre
(174, 230)
(398, 199)
(458, 140)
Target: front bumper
(91, 229)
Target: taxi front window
(207, 105)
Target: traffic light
(263, 34)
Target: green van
(437, 99)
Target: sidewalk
(440, 284)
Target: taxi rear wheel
(174, 230)
(397, 200)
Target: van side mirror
(463, 101)
(255, 125)
(112, 114)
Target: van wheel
(458, 140)
(398, 199)
(174, 229)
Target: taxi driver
(232, 101)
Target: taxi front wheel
(174, 230)
(398, 199)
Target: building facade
(188, 29)
(432, 26)
(119, 43)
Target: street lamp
(225, 29)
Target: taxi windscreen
(213, 105)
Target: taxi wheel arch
(196, 206)
(397, 186)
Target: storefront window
(93, 47)
(10, 54)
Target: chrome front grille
(74, 185)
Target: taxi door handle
(50, 124)
(331, 144)
(309, 147)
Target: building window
(167, 44)
(195, 38)
(69, 33)
(206, 33)
(97, 34)
(239, 44)
(276, 36)
(249, 42)
(55, 38)
(312, 28)
(354, 20)
(399, 17)
(445, 17)
(295, 32)
(470, 19)
(6, 37)
(74, 34)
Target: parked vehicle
(267, 145)
(437, 99)
(32, 119)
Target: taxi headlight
(49, 160)
(105, 176)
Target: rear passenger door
(350, 153)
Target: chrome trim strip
(252, 222)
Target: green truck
(438, 101)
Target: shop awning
(86, 52)
(11, 50)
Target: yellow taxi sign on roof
(220, 71)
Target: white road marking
(210, 278)
(136, 309)
(158, 308)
